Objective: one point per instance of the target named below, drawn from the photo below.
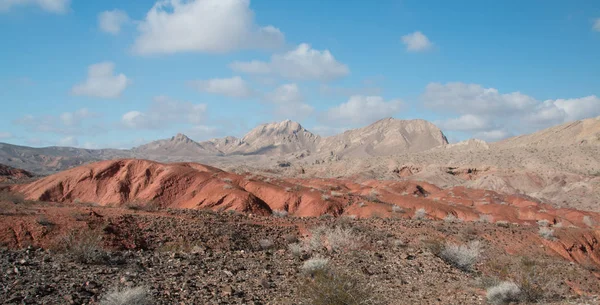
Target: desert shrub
(288, 189)
(340, 238)
(42, 220)
(314, 265)
(336, 288)
(397, 209)
(84, 247)
(538, 280)
(227, 180)
(502, 223)
(588, 221)
(503, 293)
(461, 256)
(543, 223)
(296, 249)
(325, 197)
(361, 204)
(150, 206)
(266, 244)
(128, 296)
(280, 213)
(227, 187)
(485, 218)
(420, 214)
(336, 194)
(451, 218)
(546, 233)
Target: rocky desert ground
(132, 231)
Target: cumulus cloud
(69, 141)
(52, 6)
(486, 113)
(101, 82)
(326, 131)
(466, 122)
(112, 21)
(164, 111)
(289, 102)
(362, 110)
(213, 26)
(5, 135)
(67, 123)
(473, 98)
(596, 26)
(492, 135)
(232, 87)
(416, 42)
(302, 63)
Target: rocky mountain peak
(181, 138)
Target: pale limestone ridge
(385, 137)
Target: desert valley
(393, 199)
(279, 152)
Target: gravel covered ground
(57, 254)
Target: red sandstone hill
(11, 173)
(196, 186)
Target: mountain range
(281, 140)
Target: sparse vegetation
(588, 221)
(296, 249)
(128, 296)
(227, 180)
(227, 187)
(42, 220)
(280, 213)
(266, 244)
(420, 214)
(397, 209)
(84, 247)
(546, 233)
(325, 197)
(451, 218)
(336, 194)
(336, 288)
(461, 256)
(314, 265)
(504, 293)
(485, 218)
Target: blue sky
(120, 73)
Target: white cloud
(202, 132)
(416, 42)
(165, 111)
(112, 21)
(232, 87)
(466, 122)
(302, 63)
(326, 131)
(5, 135)
(488, 114)
(67, 123)
(214, 26)
(289, 102)
(596, 26)
(362, 110)
(492, 135)
(52, 6)
(474, 99)
(101, 82)
(69, 141)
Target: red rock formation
(11, 173)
